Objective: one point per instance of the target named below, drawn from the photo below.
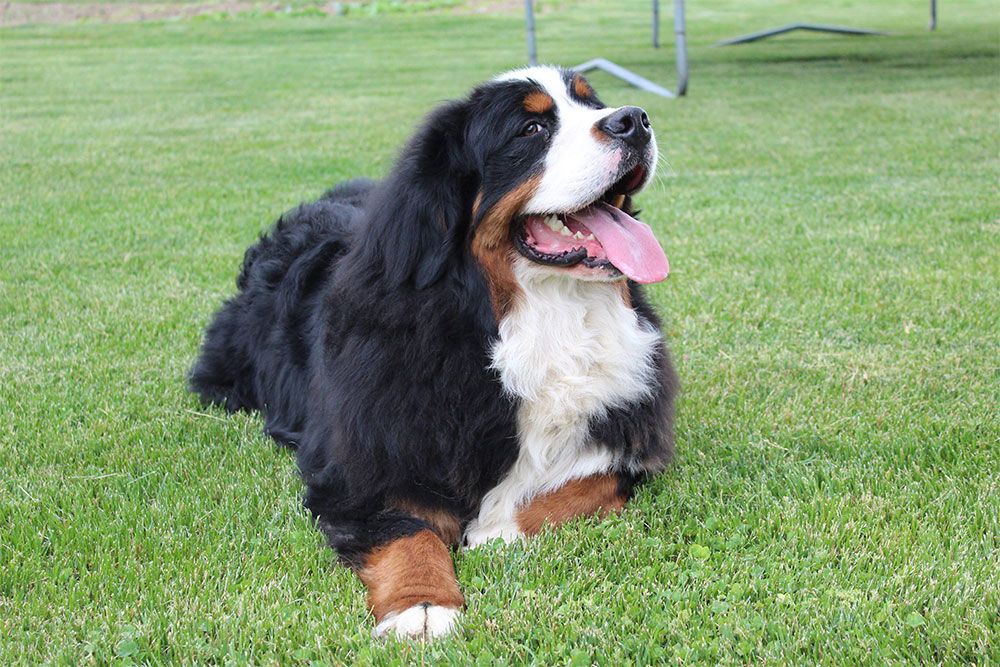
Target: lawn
(831, 212)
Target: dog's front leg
(412, 589)
(597, 494)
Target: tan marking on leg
(597, 494)
(445, 523)
(408, 572)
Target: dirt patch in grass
(25, 13)
(494, 7)
(28, 13)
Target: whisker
(664, 171)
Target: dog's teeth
(591, 237)
(565, 231)
(578, 235)
(555, 224)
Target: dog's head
(531, 168)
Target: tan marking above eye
(538, 102)
(581, 87)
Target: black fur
(362, 330)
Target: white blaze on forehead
(579, 167)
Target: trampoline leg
(529, 19)
(656, 24)
(618, 70)
(680, 37)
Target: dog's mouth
(599, 236)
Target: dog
(462, 351)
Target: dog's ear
(420, 215)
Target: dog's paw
(422, 621)
(477, 535)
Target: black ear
(420, 214)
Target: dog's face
(558, 169)
(531, 174)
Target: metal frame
(680, 41)
(764, 34)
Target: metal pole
(680, 37)
(656, 24)
(529, 17)
(933, 15)
(630, 77)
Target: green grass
(363, 7)
(831, 212)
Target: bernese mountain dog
(462, 351)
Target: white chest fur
(569, 350)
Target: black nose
(629, 124)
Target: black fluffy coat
(362, 330)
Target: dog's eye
(534, 127)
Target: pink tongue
(630, 244)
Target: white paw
(478, 535)
(422, 621)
